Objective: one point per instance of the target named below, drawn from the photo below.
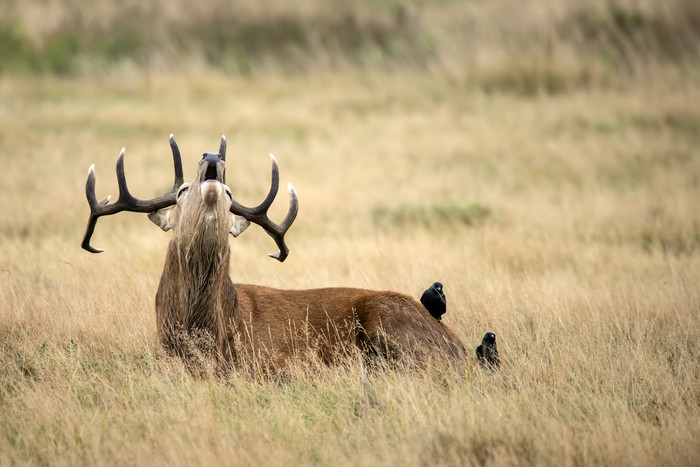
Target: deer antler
(126, 202)
(258, 214)
(222, 153)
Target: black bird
(487, 353)
(434, 301)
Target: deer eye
(230, 196)
(182, 191)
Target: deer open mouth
(214, 170)
(211, 173)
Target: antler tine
(222, 148)
(126, 202)
(222, 153)
(177, 163)
(282, 228)
(258, 214)
(92, 201)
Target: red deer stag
(197, 297)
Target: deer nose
(211, 158)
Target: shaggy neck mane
(197, 264)
(203, 255)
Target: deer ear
(161, 219)
(239, 225)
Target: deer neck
(196, 285)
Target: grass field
(556, 200)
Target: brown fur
(197, 298)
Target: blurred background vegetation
(508, 45)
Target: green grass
(551, 49)
(434, 216)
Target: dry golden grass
(585, 265)
(560, 214)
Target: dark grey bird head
(489, 339)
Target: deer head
(204, 208)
